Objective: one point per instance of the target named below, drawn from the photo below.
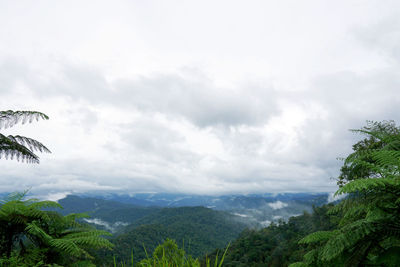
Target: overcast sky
(206, 97)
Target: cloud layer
(144, 100)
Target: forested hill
(111, 215)
(199, 230)
(278, 244)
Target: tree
(16, 146)
(369, 229)
(351, 170)
(32, 233)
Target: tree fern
(371, 212)
(28, 225)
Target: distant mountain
(105, 214)
(278, 244)
(200, 223)
(200, 229)
(258, 210)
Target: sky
(197, 97)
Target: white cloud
(332, 197)
(265, 223)
(277, 205)
(112, 227)
(144, 98)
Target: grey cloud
(11, 74)
(150, 155)
(382, 37)
(150, 140)
(200, 102)
(192, 97)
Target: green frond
(32, 144)
(317, 237)
(15, 196)
(90, 241)
(387, 158)
(30, 222)
(67, 246)
(36, 214)
(84, 233)
(20, 147)
(12, 149)
(9, 118)
(364, 185)
(35, 230)
(44, 204)
(348, 236)
(354, 211)
(358, 253)
(376, 214)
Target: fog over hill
(114, 211)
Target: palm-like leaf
(20, 147)
(9, 118)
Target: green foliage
(360, 163)
(369, 229)
(277, 245)
(16, 146)
(200, 229)
(168, 254)
(31, 234)
(106, 210)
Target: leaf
(9, 118)
(317, 237)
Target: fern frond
(9, 118)
(364, 185)
(44, 204)
(15, 196)
(11, 149)
(83, 233)
(317, 237)
(358, 253)
(34, 230)
(67, 246)
(386, 158)
(348, 236)
(33, 144)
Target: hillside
(199, 229)
(277, 245)
(257, 210)
(105, 214)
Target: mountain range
(255, 210)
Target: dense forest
(197, 230)
(361, 230)
(277, 245)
